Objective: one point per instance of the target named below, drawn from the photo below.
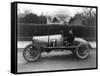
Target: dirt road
(62, 60)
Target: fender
(40, 44)
(78, 40)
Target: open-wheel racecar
(78, 46)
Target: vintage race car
(32, 52)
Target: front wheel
(31, 53)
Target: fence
(27, 31)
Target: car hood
(45, 38)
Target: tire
(31, 52)
(82, 51)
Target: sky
(48, 9)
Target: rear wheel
(82, 51)
(31, 53)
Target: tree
(42, 20)
(30, 18)
(88, 14)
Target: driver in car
(68, 36)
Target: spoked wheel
(82, 51)
(31, 53)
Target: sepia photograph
(54, 37)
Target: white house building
(58, 17)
